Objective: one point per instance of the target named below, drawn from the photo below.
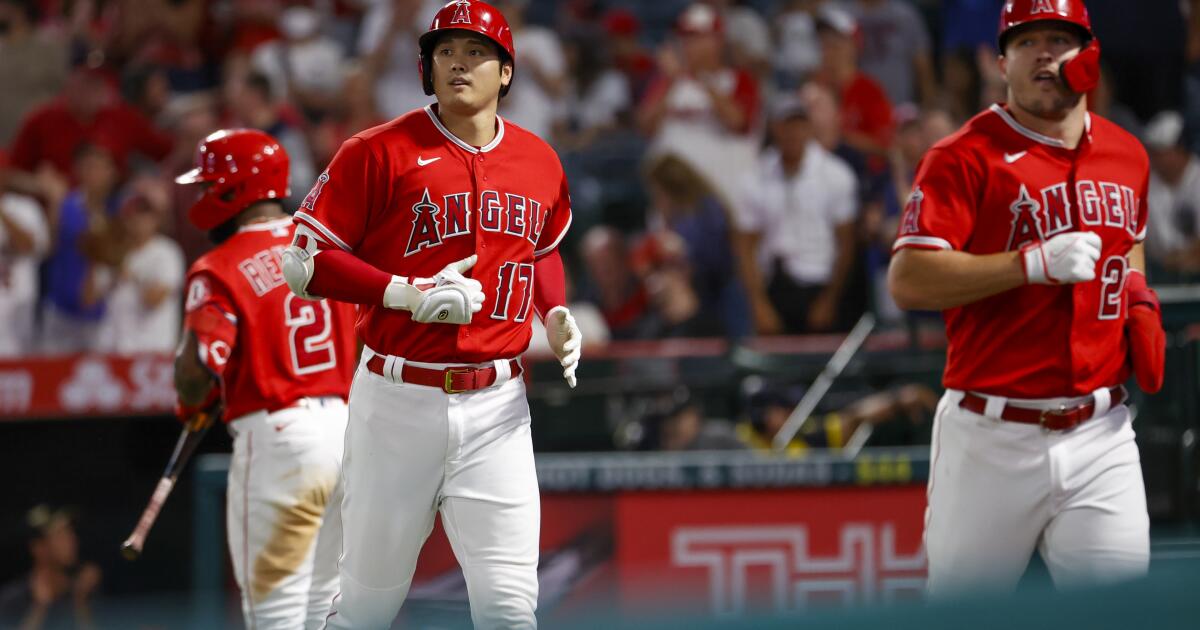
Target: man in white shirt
(1174, 195)
(794, 223)
(143, 311)
(304, 66)
(388, 42)
(24, 242)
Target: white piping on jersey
(312, 222)
(463, 145)
(265, 226)
(927, 241)
(549, 248)
(1141, 236)
(1033, 135)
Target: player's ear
(506, 73)
(1002, 61)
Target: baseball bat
(832, 369)
(191, 436)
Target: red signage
(86, 385)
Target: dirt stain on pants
(291, 541)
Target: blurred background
(712, 277)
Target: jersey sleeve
(558, 220)
(940, 212)
(209, 313)
(344, 196)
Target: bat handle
(132, 547)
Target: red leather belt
(1058, 418)
(451, 380)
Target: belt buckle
(448, 382)
(1058, 410)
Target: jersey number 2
(510, 274)
(309, 335)
(1112, 286)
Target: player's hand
(453, 298)
(1064, 259)
(565, 340)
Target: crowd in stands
(736, 167)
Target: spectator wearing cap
(896, 49)
(143, 310)
(539, 105)
(74, 281)
(87, 111)
(33, 66)
(866, 111)
(58, 590)
(700, 108)
(304, 66)
(1173, 196)
(622, 29)
(24, 242)
(795, 234)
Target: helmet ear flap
(425, 66)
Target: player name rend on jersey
(434, 224)
(1048, 213)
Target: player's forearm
(549, 283)
(342, 276)
(942, 279)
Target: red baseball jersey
(409, 198)
(270, 347)
(996, 185)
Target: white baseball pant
(998, 489)
(283, 540)
(413, 451)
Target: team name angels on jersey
(506, 213)
(1038, 217)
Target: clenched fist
(1065, 259)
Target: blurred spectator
(747, 34)
(587, 316)
(87, 111)
(699, 107)
(248, 96)
(388, 42)
(676, 422)
(1174, 196)
(962, 84)
(355, 111)
(143, 310)
(899, 416)
(24, 242)
(539, 105)
(85, 240)
(58, 590)
(192, 117)
(795, 223)
(896, 49)
(691, 225)
(614, 287)
(799, 52)
(304, 66)
(622, 30)
(968, 25)
(33, 65)
(147, 89)
(866, 112)
(1102, 101)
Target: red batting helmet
(466, 15)
(243, 166)
(1082, 72)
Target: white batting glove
(565, 340)
(447, 298)
(1065, 259)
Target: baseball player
(283, 367)
(1025, 228)
(443, 225)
